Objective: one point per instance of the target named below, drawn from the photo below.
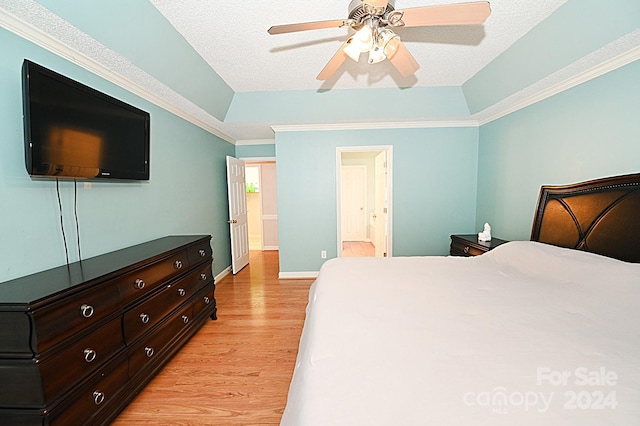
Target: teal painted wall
(256, 151)
(111, 215)
(587, 132)
(576, 29)
(139, 32)
(304, 106)
(434, 190)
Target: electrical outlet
(323, 254)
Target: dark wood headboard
(599, 216)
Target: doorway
(364, 201)
(262, 206)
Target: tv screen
(74, 131)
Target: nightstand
(468, 245)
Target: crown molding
(255, 142)
(612, 64)
(376, 126)
(47, 42)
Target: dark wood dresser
(79, 342)
(468, 245)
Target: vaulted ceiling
(215, 64)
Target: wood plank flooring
(236, 370)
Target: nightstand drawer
(461, 248)
(468, 245)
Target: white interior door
(379, 226)
(353, 202)
(238, 225)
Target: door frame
(374, 148)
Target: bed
(540, 332)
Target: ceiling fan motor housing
(357, 11)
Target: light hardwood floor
(236, 370)
(358, 249)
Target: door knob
(232, 221)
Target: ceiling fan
(373, 22)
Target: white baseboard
(223, 274)
(297, 275)
(270, 248)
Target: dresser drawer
(143, 317)
(153, 346)
(68, 317)
(93, 396)
(199, 252)
(136, 284)
(66, 368)
(204, 301)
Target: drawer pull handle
(185, 319)
(203, 276)
(98, 397)
(148, 351)
(466, 249)
(202, 253)
(139, 284)
(177, 264)
(144, 318)
(90, 355)
(181, 292)
(86, 311)
(206, 300)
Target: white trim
(376, 126)
(270, 248)
(269, 217)
(297, 275)
(36, 36)
(594, 72)
(256, 142)
(223, 274)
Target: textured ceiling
(232, 37)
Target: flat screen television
(74, 131)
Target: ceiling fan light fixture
(360, 42)
(388, 41)
(351, 50)
(376, 55)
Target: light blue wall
(574, 30)
(434, 190)
(139, 32)
(310, 106)
(256, 151)
(185, 195)
(587, 132)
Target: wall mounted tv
(74, 131)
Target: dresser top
(28, 290)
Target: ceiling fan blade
(404, 61)
(449, 14)
(334, 63)
(306, 26)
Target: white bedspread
(527, 334)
